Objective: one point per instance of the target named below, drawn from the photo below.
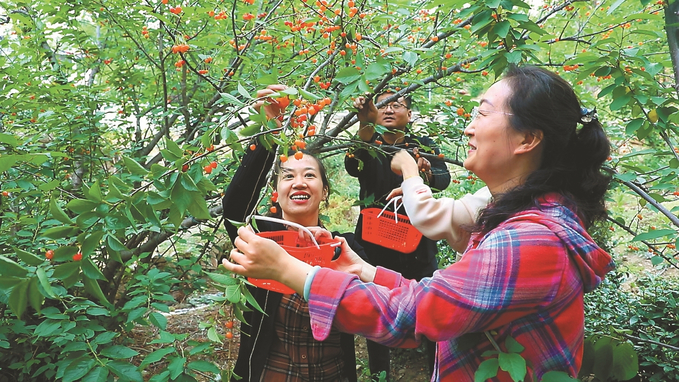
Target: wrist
(294, 274)
(368, 273)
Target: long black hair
(575, 147)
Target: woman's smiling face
(301, 190)
(492, 140)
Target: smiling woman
(279, 345)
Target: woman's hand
(398, 191)
(350, 262)
(404, 164)
(272, 108)
(261, 258)
(317, 232)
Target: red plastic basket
(390, 230)
(301, 249)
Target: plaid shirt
(294, 355)
(524, 279)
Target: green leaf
(242, 91)
(410, 57)
(162, 377)
(134, 167)
(157, 356)
(487, 369)
(347, 75)
(198, 209)
(232, 293)
(118, 352)
(213, 336)
(28, 257)
(125, 370)
(91, 243)
(501, 29)
(58, 213)
(634, 125)
(377, 70)
(44, 281)
(66, 270)
(61, 232)
(80, 206)
(35, 298)
(514, 364)
(78, 369)
(654, 234)
(9, 139)
(47, 328)
(625, 362)
(92, 287)
(603, 353)
(513, 346)
(94, 193)
(114, 243)
(9, 267)
(98, 374)
(176, 366)
(6, 162)
(557, 376)
(620, 101)
(655, 260)
(230, 100)
(204, 366)
(18, 299)
(513, 57)
(90, 270)
(173, 147)
(222, 279)
(158, 320)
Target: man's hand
(367, 112)
(423, 164)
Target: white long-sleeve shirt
(442, 218)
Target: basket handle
(283, 221)
(396, 207)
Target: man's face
(393, 116)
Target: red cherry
(213, 164)
(185, 168)
(49, 254)
(78, 256)
(207, 169)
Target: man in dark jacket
(377, 180)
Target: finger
(277, 87)
(395, 192)
(234, 267)
(265, 92)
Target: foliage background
(121, 122)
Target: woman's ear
(531, 140)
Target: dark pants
(378, 358)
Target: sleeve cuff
(309, 279)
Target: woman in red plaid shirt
(529, 260)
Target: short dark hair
(572, 157)
(406, 97)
